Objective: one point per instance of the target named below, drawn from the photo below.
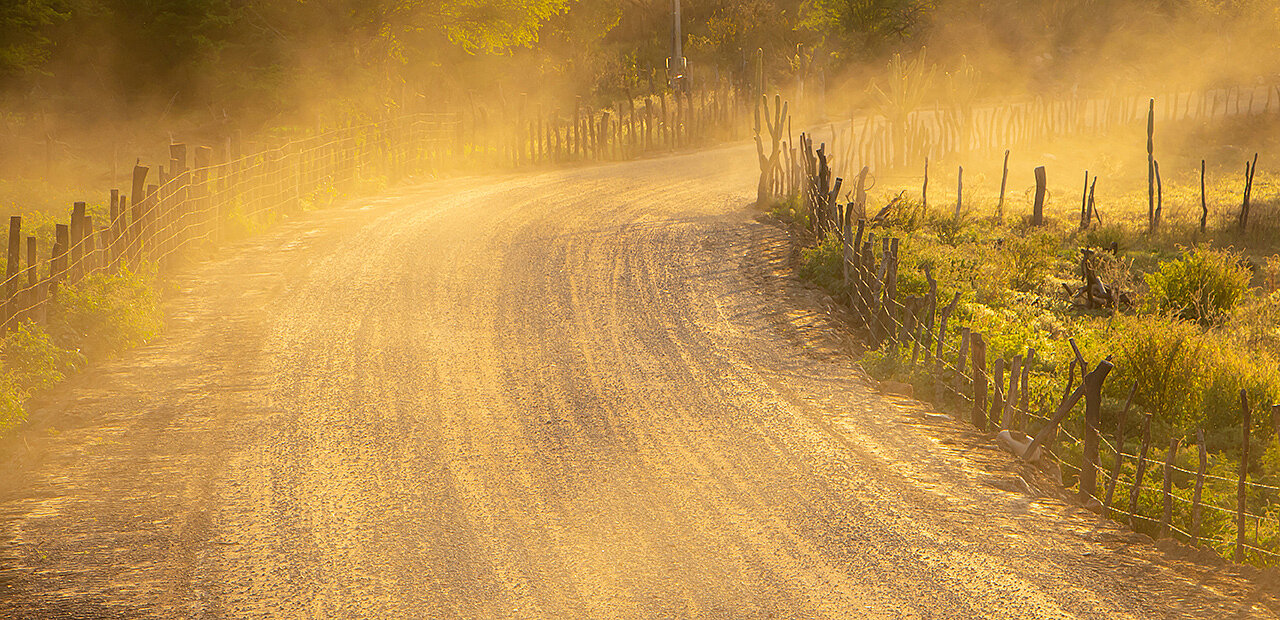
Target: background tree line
(252, 63)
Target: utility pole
(676, 66)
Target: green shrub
(32, 361)
(105, 313)
(11, 397)
(949, 229)
(821, 264)
(1202, 285)
(1031, 258)
(1165, 356)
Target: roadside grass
(105, 314)
(1204, 323)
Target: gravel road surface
(586, 393)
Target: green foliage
(821, 264)
(1165, 356)
(33, 361)
(106, 313)
(24, 35)
(489, 26)
(1031, 257)
(1203, 285)
(861, 26)
(11, 396)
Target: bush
(1165, 356)
(32, 361)
(106, 313)
(1032, 258)
(821, 264)
(1203, 285)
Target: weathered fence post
(1004, 178)
(1092, 385)
(1037, 209)
(979, 380)
(994, 420)
(76, 241)
(1115, 467)
(33, 279)
(58, 271)
(942, 328)
(12, 267)
(924, 189)
(1244, 476)
(1195, 497)
(1050, 429)
(1204, 206)
(1024, 393)
(1136, 488)
(1151, 165)
(1170, 460)
(1010, 415)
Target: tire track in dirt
(593, 392)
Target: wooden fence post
(1136, 488)
(1004, 178)
(76, 241)
(1151, 165)
(1204, 207)
(1050, 429)
(12, 267)
(1092, 419)
(62, 236)
(1115, 467)
(135, 222)
(942, 329)
(979, 380)
(1244, 476)
(1195, 497)
(1011, 415)
(1037, 210)
(994, 420)
(33, 280)
(924, 189)
(1170, 460)
(1024, 393)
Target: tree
(24, 39)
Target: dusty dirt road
(590, 393)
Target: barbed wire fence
(917, 329)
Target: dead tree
(1249, 170)
(769, 163)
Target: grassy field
(1202, 322)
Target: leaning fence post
(1136, 489)
(1050, 429)
(997, 400)
(1115, 467)
(1004, 178)
(1244, 476)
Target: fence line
(912, 325)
